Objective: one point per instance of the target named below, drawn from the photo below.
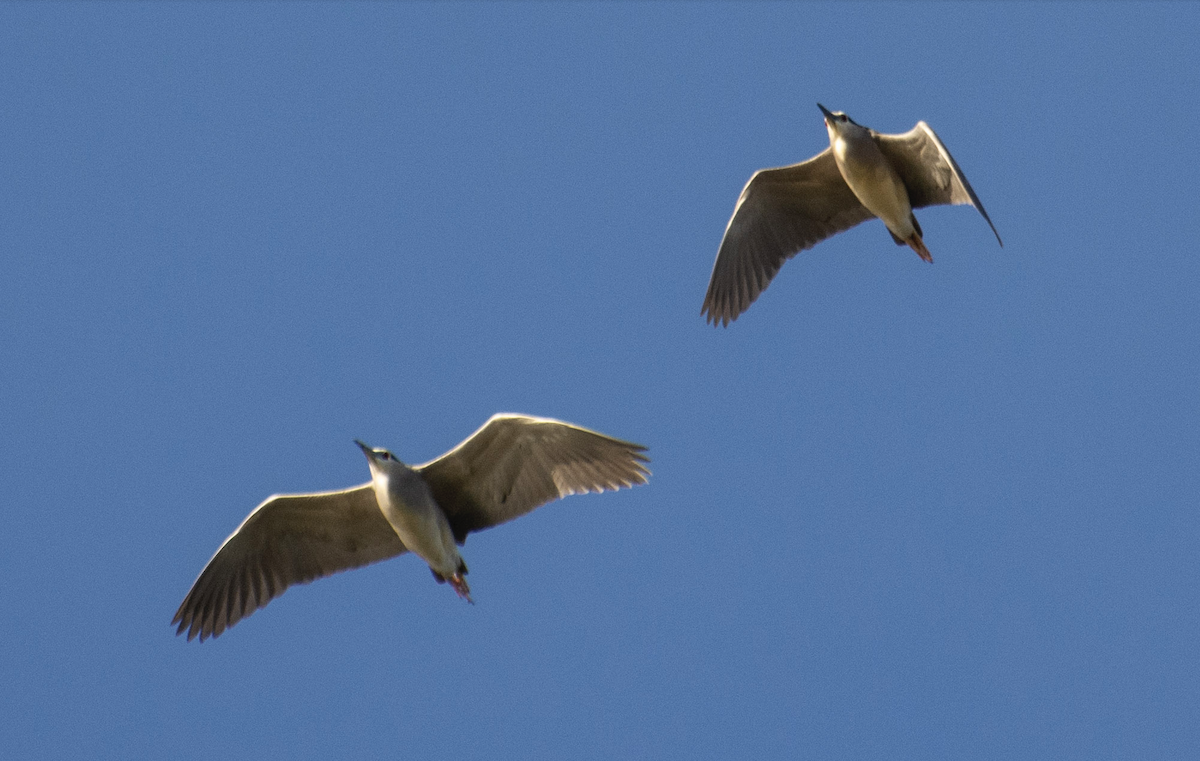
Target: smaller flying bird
(862, 174)
(510, 466)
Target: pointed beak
(827, 112)
(370, 453)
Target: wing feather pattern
(515, 463)
(930, 173)
(288, 539)
(780, 213)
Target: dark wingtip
(988, 219)
(182, 622)
(190, 622)
(712, 318)
(186, 626)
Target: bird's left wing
(780, 212)
(516, 463)
(929, 171)
(288, 539)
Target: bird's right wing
(929, 171)
(780, 213)
(288, 539)
(515, 463)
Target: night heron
(862, 174)
(511, 465)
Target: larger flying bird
(862, 174)
(511, 465)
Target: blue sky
(897, 511)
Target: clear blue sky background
(898, 510)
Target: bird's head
(380, 459)
(838, 123)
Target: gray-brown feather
(928, 171)
(515, 463)
(780, 212)
(288, 539)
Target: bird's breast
(875, 183)
(409, 507)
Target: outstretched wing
(780, 212)
(516, 463)
(929, 171)
(288, 539)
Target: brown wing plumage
(288, 539)
(929, 171)
(516, 463)
(780, 212)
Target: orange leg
(914, 241)
(459, 582)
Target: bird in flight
(510, 466)
(862, 174)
